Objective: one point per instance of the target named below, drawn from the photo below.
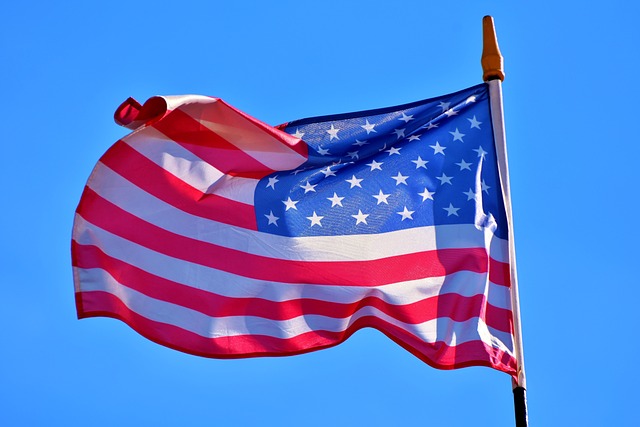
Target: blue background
(356, 179)
(570, 98)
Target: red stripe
(438, 355)
(276, 132)
(499, 272)
(150, 177)
(209, 146)
(110, 217)
(453, 306)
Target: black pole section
(520, 406)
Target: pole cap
(492, 62)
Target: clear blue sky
(570, 98)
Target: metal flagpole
(493, 74)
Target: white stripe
(124, 194)
(437, 330)
(249, 135)
(175, 101)
(190, 168)
(197, 276)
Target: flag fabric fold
(213, 233)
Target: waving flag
(213, 233)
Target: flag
(210, 232)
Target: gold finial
(492, 63)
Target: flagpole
(493, 74)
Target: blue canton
(427, 163)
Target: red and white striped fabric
(165, 239)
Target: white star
(272, 182)
(381, 198)
(272, 219)
(400, 179)
(333, 133)
(405, 118)
(444, 179)
(464, 165)
(335, 200)
(360, 217)
(399, 133)
(414, 138)
(444, 106)
(406, 214)
(431, 126)
(368, 127)
(393, 150)
(360, 143)
(472, 98)
(480, 151)
(327, 172)
(474, 123)
(420, 163)
(451, 210)
(383, 148)
(485, 187)
(457, 136)
(353, 154)
(451, 112)
(470, 194)
(355, 182)
(426, 194)
(309, 187)
(315, 219)
(375, 165)
(290, 204)
(323, 151)
(438, 148)
(298, 134)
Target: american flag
(213, 233)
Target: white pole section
(497, 119)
